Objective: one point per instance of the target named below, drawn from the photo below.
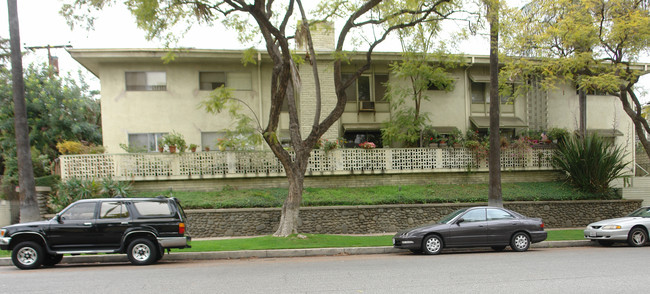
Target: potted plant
(174, 141)
(193, 147)
(442, 142)
(225, 144)
(455, 139)
(368, 145)
(558, 135)
(161, 146)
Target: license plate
(592, 234)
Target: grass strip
(318, 241)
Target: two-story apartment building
(143, 98)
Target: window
(113, 210)
(367, 88)
(498, 214)
(80, 211)
(146, 81)
(145, 141)
(209, 139)
(481, 94)
(353, 139)
(211, 80)
(153, 208)
(476, 215)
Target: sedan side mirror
(460, 220)
(58, 218)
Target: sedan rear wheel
(520, 242)
(432, 245)
(637, 237)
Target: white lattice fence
(149, 166)
(323, 161)
(88, 166)
(363, 159)
(204, 163)
(415, 158)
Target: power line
(53, 61)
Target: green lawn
(318, 241)
(407, 194)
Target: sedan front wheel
(637, 237)
(432, 245)
(520, 242)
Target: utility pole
(53, 61)
(28, 204)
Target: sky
(41, 25)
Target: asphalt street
(540, 270)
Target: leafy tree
(273, 22)
(422, 70)
(590, 163)
(58, 109)
(592, 43)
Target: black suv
(140, 227)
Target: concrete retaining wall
(390, 218)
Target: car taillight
(181, 228)
(542, 225)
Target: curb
(280, 253)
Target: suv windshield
(641, 212)
(450, 216)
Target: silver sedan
(632, 229)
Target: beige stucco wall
(128, 112)
(603, 112)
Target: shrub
(590, 163)
(69, 147)
(76, 147)
(75, 189)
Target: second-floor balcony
(240, 164)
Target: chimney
(322, 34)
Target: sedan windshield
(641, 212)
(451, 216)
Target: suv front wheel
(142, 252)
(27, 255)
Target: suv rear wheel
(142, 252)
(27, 255)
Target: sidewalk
(276, 253)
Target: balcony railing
(157, 166)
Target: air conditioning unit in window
(366, 106)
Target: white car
(632, 229)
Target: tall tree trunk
(291, 207)
(494, 193)
(582, 101)
(28, 206)
(635, 113)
